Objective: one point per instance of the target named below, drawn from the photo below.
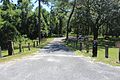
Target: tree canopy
(86, 17)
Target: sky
(36, 5)
(44, 6)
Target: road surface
(57, 62)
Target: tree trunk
(60, 27)
(39, 21)
(68, 23)
(95, 42)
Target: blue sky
(35, 5)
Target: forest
(66, 17)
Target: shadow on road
(56, 47)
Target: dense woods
(85, 17)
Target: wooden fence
(20, 47)
(84, 44)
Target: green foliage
(7, 32)
(89, 17)
(93, 16)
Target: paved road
(56, 62)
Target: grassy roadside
(112, 60)
(113, 55)
(25, 53)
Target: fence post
(117, 44)
(106, 51)
(119, 55)
(29, 46)
(87, 47)
(20, 47)
(33, 43)
(13, 47)
(76, 43)
(95, 43)
(87, 44)
(0, 52)
(80, 45)
(37, 43)
(10, 47)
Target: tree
(8, 23)
(97, 14)
(39, 21)
(39, 18)
(58, 16)
(68, 22)
(94, 16)
(100, 14)
(25, 8)
(7, 32)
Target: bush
(7, 32)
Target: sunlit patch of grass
(83, 53)
(25, 51)
(113, 54)
(112, 60)
(17, 55)
(44, 42)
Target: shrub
(7, 32)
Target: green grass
(112, 60)
(24, 53)
(17, 55)
(72, 34)
(82, 53)
(113, 54)
(45, 42)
